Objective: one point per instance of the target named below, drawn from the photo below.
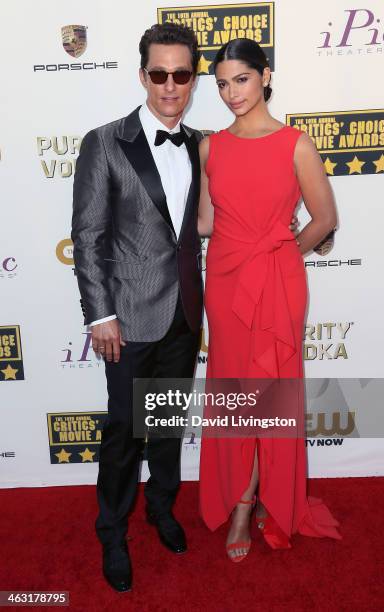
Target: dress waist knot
(260, 301)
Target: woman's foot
(272, 533)
(239, 538)
(260, 510)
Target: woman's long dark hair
(247, 51)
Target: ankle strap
(252, 501)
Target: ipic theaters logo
(57, 155)
(325, 341)
(191, 443)
(11, 356)
(349, 142)
(75, 437)
(358, 32)
(215, 25)
(8, 267)
(74, 42)
(79, 354)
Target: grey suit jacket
(128, 260)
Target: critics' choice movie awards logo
(8, 267)
(356, 32)
(57, 155)
(74, 42)
(349, 142)
(11, 356)
(216, 25)
(75, 437)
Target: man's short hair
(169, 34)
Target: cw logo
(316, 424)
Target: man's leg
(120, 453)
(175, 358)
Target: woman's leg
(240, 527)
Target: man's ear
(143, 77)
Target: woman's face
(241, 87)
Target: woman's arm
(317, 194)
(205, 215)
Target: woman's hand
(317, 194)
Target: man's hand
(106, 340)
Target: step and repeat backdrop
(68, 68)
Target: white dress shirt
(174, 167)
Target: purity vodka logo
(359, 33)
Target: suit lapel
(194, 190)
(136, 148)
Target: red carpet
(48, 543)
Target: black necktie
(161, 136)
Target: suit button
(178, 248)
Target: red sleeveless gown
(255, 300)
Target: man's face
(169, 100)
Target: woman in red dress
(253, 174)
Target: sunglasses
(159, 77)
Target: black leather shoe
(117, 567)
(170, 532)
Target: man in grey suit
(138, 264)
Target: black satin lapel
(140, 157)
(194, 190)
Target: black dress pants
(174, 356)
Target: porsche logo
(74, 39)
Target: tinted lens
(181, 77)
(158, 76)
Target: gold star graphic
(329, 166)
(355, 165)
(63, 456)
(379, 163)
(203, 65)
(9, 373)
(87, 455)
